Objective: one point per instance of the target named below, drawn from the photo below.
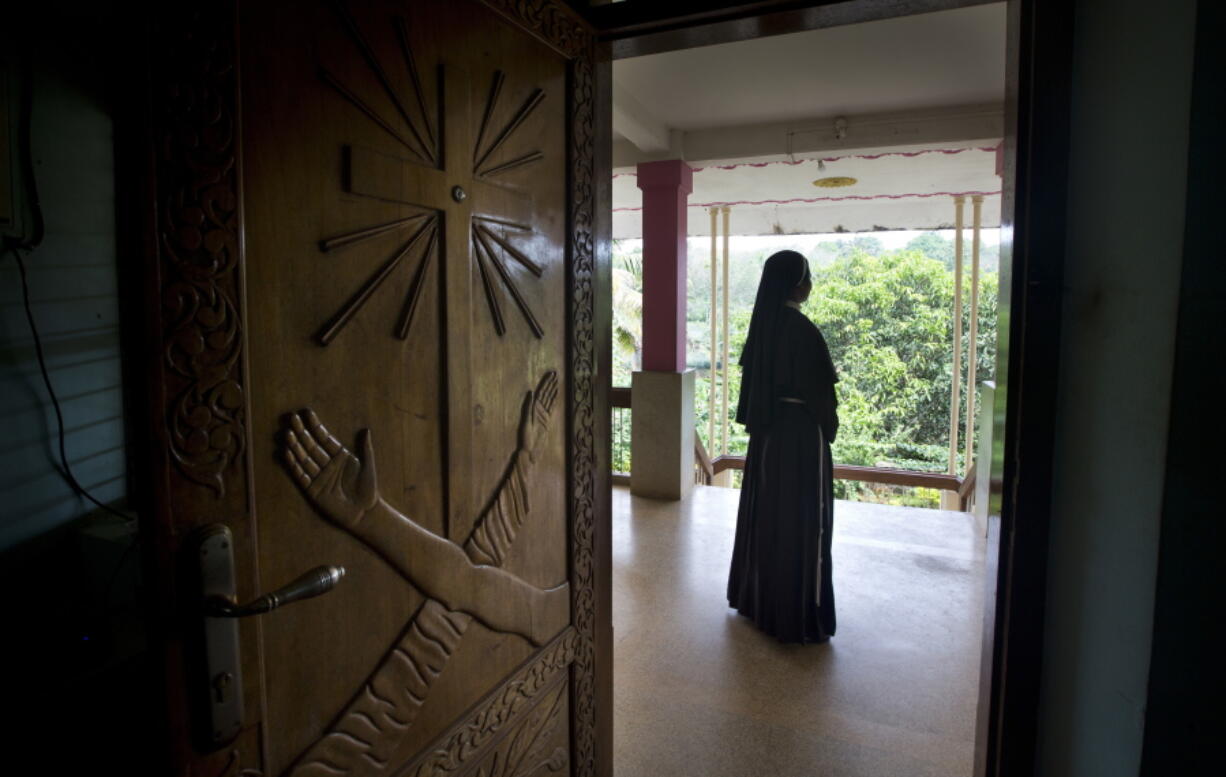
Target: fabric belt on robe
(793, 400)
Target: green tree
(888, 319)
(627, 313)
(889, 323)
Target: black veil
(783, 272)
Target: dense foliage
(888, 319)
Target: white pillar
(957, 344)
(711, 372)
(949, 499)
(972, 355)
(724, 411)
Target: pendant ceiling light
(834, 182)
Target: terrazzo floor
(699, 691)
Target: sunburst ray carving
(480, 157)
(481, 244)
(487, 284)
(492, 236)
(427, 229)
(423, 141)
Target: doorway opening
(875, 149)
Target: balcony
(908, 309)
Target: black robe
(781, 564)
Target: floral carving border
(551, 21)
(199, 242)
(583, 453)
(190, 207)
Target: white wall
(1131, 85)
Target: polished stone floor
(699, 691)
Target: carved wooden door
(373, 266)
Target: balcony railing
(707, 469)
(961, 428)
(619, 459)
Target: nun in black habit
(780, 573)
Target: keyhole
(221, 686)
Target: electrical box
(9, 212)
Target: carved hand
(341, 486)
(538, 408)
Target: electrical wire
(65, 468)
(28, 243)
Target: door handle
(312, 583)
(219, 611)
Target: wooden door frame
(177, 139)
(1033, 220)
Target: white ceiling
(922, 100)
(914, 62)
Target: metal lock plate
(221, 647)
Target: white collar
(793, 304)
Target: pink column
(666, 186)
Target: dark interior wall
(72, 278)
(72, 637)
(1187, 680)
(1131, 85)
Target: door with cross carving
(373, 265)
